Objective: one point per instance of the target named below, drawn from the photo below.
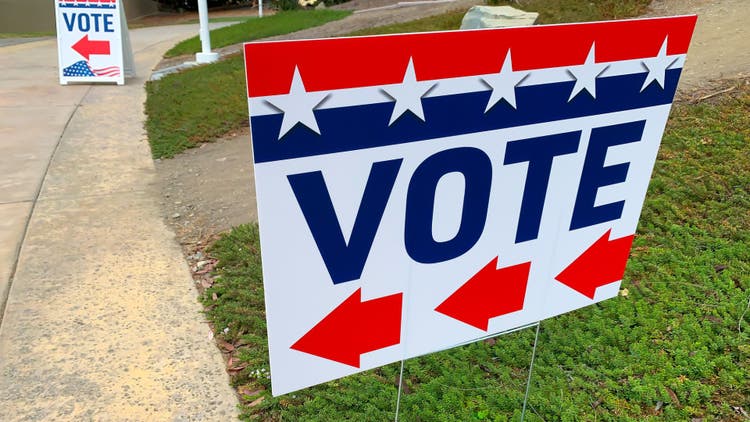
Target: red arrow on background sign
(354, 328)
(86, 47)
(490, 293)
(602, 263)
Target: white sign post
(205, 56)
(421, 191)
(90, 41)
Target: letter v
(344, 260)
(69, 23)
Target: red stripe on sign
(366, 61)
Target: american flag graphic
(83, 69)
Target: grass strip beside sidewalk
(257, 28)
(674, 346)
(195, 106)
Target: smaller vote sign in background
(421, 191)
(89, 39)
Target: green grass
(195, 106)
(253, 29)
(676, 347)
(26, 34)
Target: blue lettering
(344, 260)
(69, 23)
(96, 17)
(476, 168)
(539, 152)
(108, 23)
(596, 175)
(84, 23)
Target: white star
(408, 94)
(503, 84)
(657, 66)
(586, 74)
(298, 106)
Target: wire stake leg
(400, 383)
(531, 368)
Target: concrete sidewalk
(101, 319)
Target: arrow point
(490, 293)
(81, 46)
(326, 337)
(353, 328)
(87, 48)
(602, 263)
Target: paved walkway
(99, 315)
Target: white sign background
(290, 252)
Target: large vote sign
(89, 38)
(417, 192)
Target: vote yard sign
(90, 43)
(421, 191)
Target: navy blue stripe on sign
(366, 126)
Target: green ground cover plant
(253, 29)
(674, 346)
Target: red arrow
(87, 48)
(490, 293)
(354, 328)
(602, 263)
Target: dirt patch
(720, 47)
(209, 189)
(212, 187)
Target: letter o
(84, 22)
(476, 168)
